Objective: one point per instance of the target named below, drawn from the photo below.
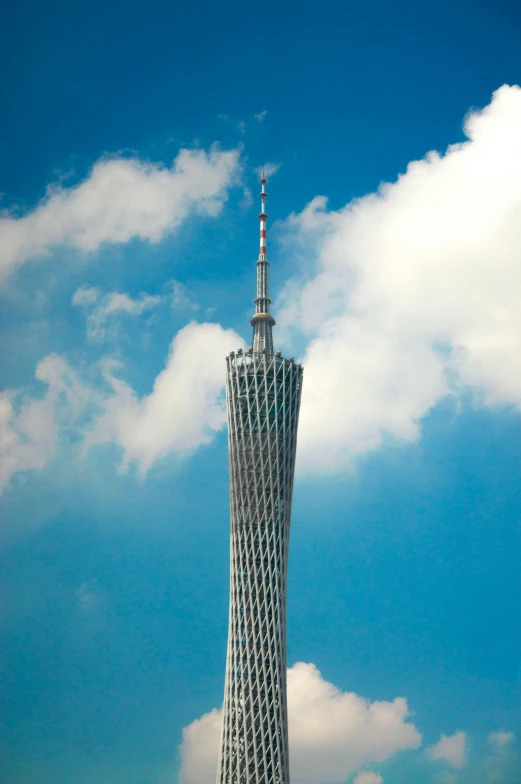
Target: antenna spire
(263, 216)
(262, 322)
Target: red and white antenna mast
(262, 322)
(263, 216)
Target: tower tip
(263, 179)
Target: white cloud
(30, 427)
(331, 733)
(121, 198)
(450, 749)
(88, 596)
(500, 739)
(184, 410)
(102, 308)
(269, 169)
(180, 297)
(200, 749)
(119, 301)
(261, 115)
(186, 406)
(86, 296)
(368, 777)
(409, 292)
(502, 760)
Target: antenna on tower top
(262, 321)
(263, 217)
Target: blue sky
(131, 139)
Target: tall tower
(263, 395)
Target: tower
(263, 398)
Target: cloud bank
(410, 293)
(331, 733)
(121, 198)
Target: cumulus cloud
(121, 198)
(200, 749)
(331, 733)
(30, 427)
(410, 293)
(100, 308)
(451, 749)
(184, 410)
(368, 777)
(185, 407)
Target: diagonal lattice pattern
(263, 394)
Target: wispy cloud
(238, 125)
(180, 297)
(503, 759)
(261, 116)
(269, 169)
(501, 739)
(101, 308)
(103, 311)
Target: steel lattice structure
(263, 396)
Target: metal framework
(263, 396)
